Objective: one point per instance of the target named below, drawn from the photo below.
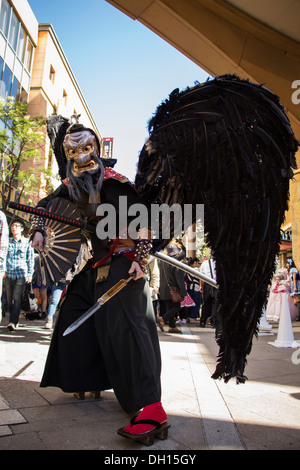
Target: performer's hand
(38, 241)
(136, 270)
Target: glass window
(6, 83)
(21, 95)
(21, 45)
(28, 56)
(13, 31)
(1, 69)
(14, 88)
(4, 17)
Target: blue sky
(124, 70)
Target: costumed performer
(117, 348)
(294, 276)
(280, 287)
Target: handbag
(176, 296)
(29, 303)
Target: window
(28, 56)
(4, 17)
(13, 31)
(52, 75)
(14, 88)
(23, 96)
(21, 45)
(1, 69)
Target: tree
(20, 141)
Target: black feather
(57, 126)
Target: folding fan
(63, 242)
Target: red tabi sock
(154, 412)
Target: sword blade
(188, 269)
(122, 283)
(82, 319)
(101, 301)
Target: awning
(285, 245)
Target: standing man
(19, 269)
(209, 293)
(3, 252)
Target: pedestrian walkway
(204, 414)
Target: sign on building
(107, 143)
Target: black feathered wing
(226, 144)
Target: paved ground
(262, 414)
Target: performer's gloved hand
(38, 241)
(136, 270)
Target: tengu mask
(80, 149)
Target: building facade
(34, 70)
(54, 90)
(18, 39)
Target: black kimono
(117, 348)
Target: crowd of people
(285, 282)
(198, 302)
(195, 301)
(20, 272)
(21, 276)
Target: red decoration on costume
(111, 251)
(110, 173)
(154, 412)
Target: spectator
(153, 277)
(193, 288)
(39, 289)
(19, 269)
(280, 288)
(3, 252)
(294, 276)
(170, 276)
(209, 293)
(57, 291)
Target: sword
(78, 223)
(184, 267)
(101, 301)
(123, 282)
(47, 215)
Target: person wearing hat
(19, 270)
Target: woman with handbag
(172, 290)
